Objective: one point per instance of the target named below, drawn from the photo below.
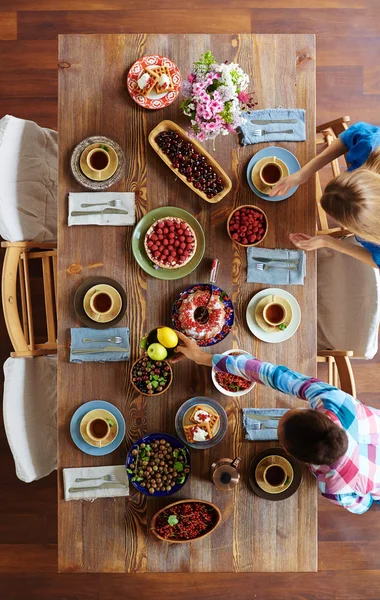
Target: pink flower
(191, 77)
(244, 97)
(230, 128)
(200, 136)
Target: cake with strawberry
(170, 243)
(213, 320)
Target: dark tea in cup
(102, 302)
(98, 159)
(275, 475)
(274, 313)
(271, 173)
(98, 428)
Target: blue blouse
(361, 139)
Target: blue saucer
(75, 427)
(288, 158)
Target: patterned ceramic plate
(153, 101)
(81, 177)
(228, 306)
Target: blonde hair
(353, 199)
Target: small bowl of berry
(229, 384)
(247, 225)
(151, 377)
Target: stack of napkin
(260, 424)
(119, 472)
(278, 276)
(122, 214)
(248, 128)
(78, 333)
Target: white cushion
(30, 414)
(348, 303)
(28, 181)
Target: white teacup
(98, 160)
(274, 313)
(98, 430)
(101, 303)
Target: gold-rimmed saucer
(274, 459)
(112, 314)
(260, 308)
(99, 413)
(106, 173)
(255, 173)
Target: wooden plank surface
(111, 535)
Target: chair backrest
(326, 134)
(16, 274)
(339, 369)
(30, 414)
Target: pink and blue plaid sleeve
(351, 502)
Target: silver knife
(268, 260)
(106, 211)
(263, 418)
(269, 121)
(100, 350)
(103, 486)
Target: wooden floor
(348, 46)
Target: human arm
(306, 242)
(351, 501)
(333, 151)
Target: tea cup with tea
(275, 475)
(98, 430)
(271, 172)
(101, 304)
(98, 160)
(275, 314)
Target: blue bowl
(148, 439)
(223, 422)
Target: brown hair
(353, 199)
(310, 436)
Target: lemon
(167, 337)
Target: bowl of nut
(247, 225)
(158, 464)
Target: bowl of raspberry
(229, 384)
(247, 225)
(185, 521)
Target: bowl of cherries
(247, 225)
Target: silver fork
(262, 267)
(267, 260)
(264, 132)
(112, 203)
(114, 340)
(104, 478)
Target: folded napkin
(259, 428)
(127, 203)
(78, 333)
(276, 276)
(70, 475)
(278, 114)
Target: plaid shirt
(354, 480)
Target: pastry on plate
(146, 82)
(198, 433)
(165, 82)
(201, 416)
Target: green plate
(139, 236)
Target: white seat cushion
(348, 303)
(30, 414)
(28, 181)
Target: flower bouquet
(216, 94)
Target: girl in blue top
(352, 199)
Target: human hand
(191, 350)
(306, 242)
(287, 183)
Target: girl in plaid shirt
(339, 437)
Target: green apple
(157, 352)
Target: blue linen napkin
(266, 433)
(78, 333)
(247, 128)
(276, 276)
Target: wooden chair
(339, 369)
(16, 271)
(326, 134)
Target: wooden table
(111, 535)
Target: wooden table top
(111, 535)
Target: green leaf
(182, 479)
(282, 326)
(176, 453)
(178, 466)
(130, 471)
(103, 147)
(139, 478)
(172, 520)
(155, 384)
(148, 448)
(110, 423)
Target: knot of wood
(64, 65)
(301, 57)
(74, 269)
(11, 299)
(234, 42)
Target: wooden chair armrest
(335, 232)
(335, 353)
(332, 124)
(26, 245)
